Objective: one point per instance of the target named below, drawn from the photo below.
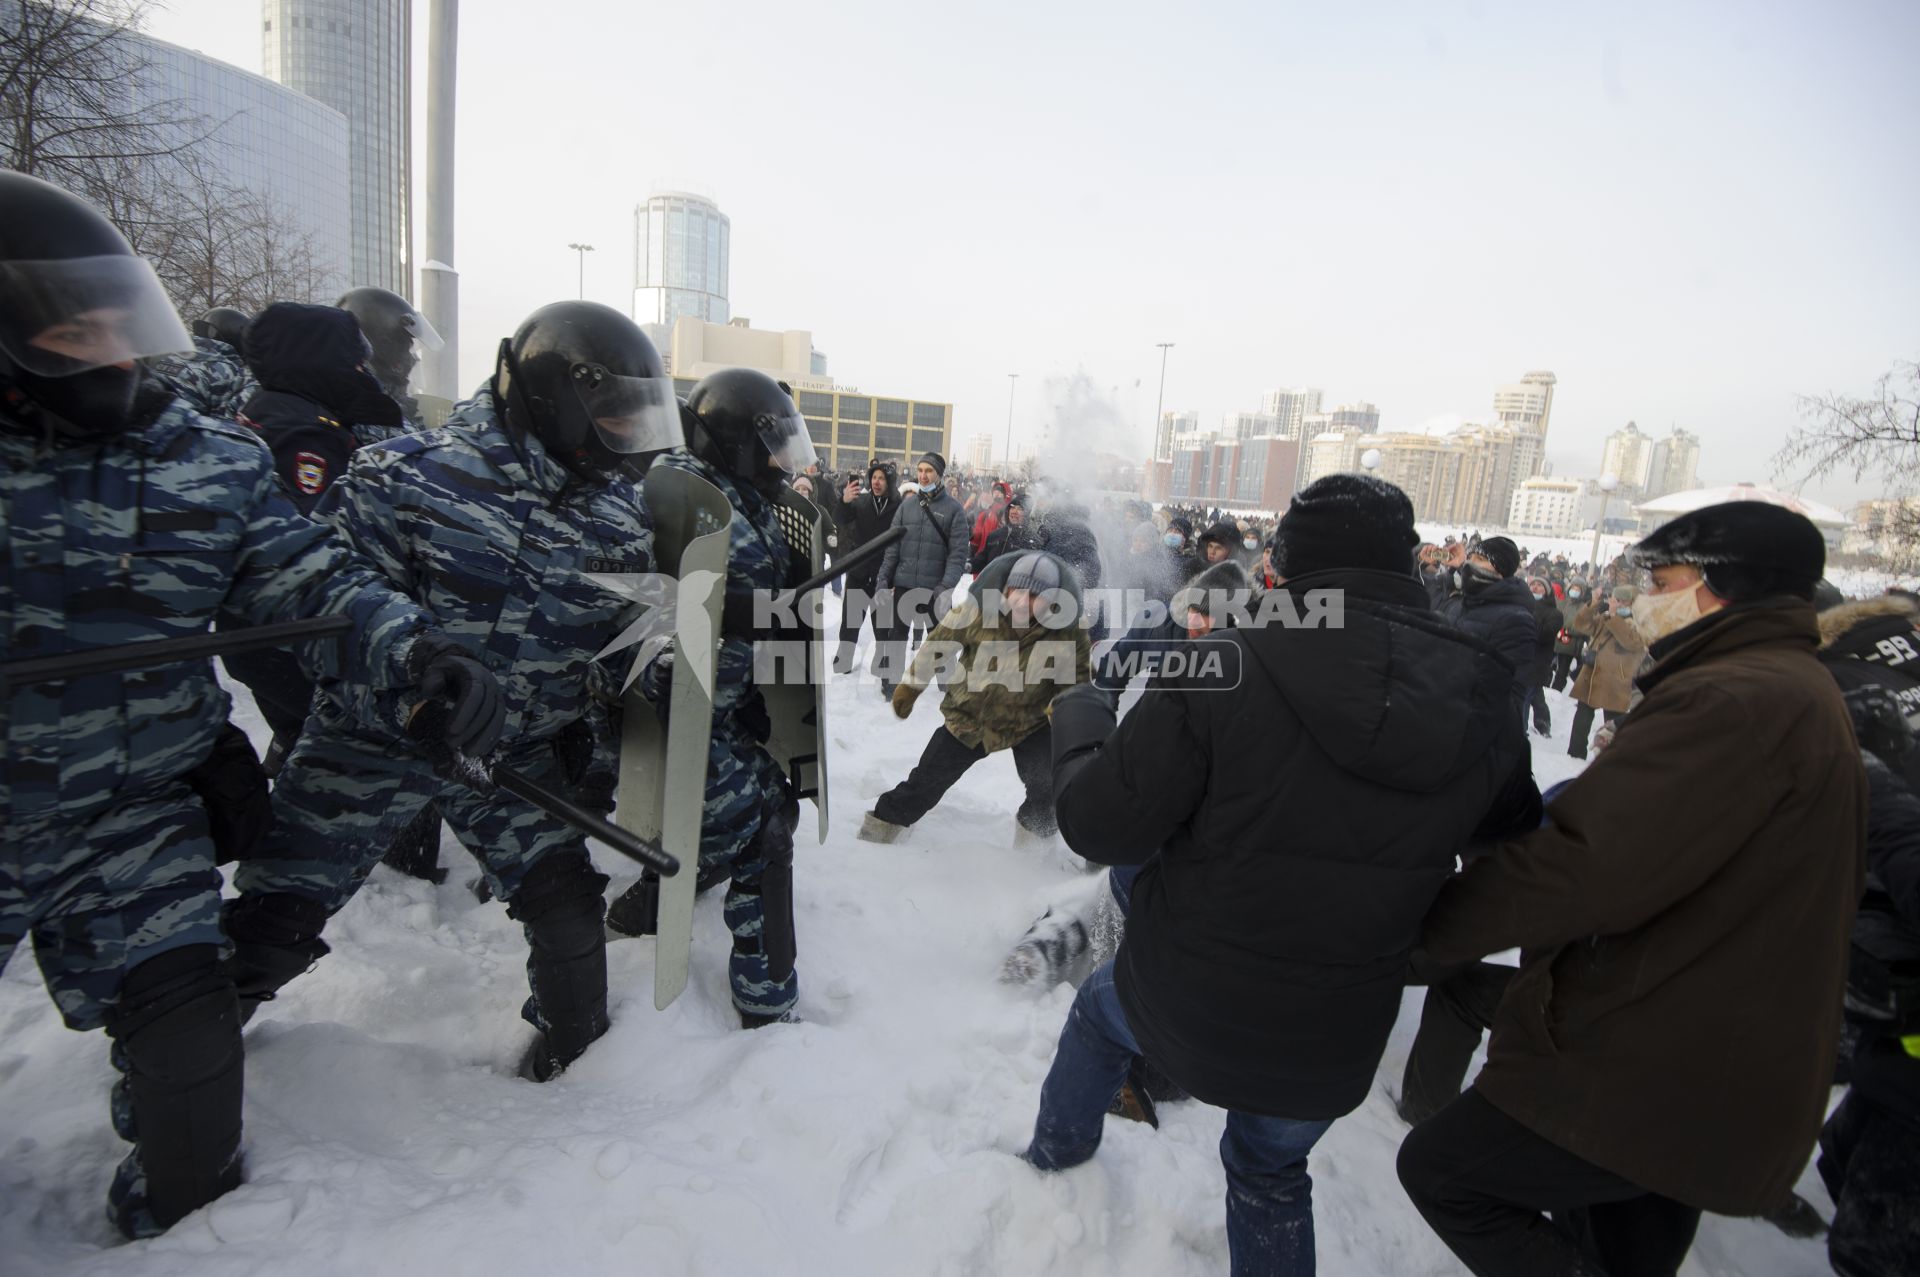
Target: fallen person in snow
(1014, 642)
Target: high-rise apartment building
(681, 249)
(1250, 425)
(356, 57)
(1290, 409)
(1674, 465)
(1628, 457)
(1525, 405)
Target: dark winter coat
(1684, 922)
(1546, 635)
(933, 554)
(1877, 642)
(1304, 820)
(314, 394)
(1066, 532)
(1497, 613)
(1883, 975)
(860, 521)
(1006, 539)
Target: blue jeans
(1269, 1193)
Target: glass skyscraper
(279, 146)
(680, 248)
(356, 56)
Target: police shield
(663, 758)
(797, 709)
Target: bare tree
(1878, 434)
(68, 108)
(78, 108)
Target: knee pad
(177, 1027)
(773, 848)
(562, 903)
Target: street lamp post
(1160, 399)
(1013, 382)
(582, 250)
(1608, 483)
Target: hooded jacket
(1305, 804)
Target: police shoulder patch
(309, 472)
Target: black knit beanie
(1346, 521)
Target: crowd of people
(1718, 920)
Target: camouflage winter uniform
(745, 786)
(490, 534)
(154, 534)
(213, 380)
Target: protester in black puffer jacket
(862, 516)
(1295, 828)
(1483, 598)
(1876, 642)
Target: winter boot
(562, 907)
(415, 851)
(874, 829)
(276, 939)
(1053, 945)
(176, 1028)
(636, 911)
(753, 1020)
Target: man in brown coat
(1613, 656)
(1667, 1045)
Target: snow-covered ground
(386, 1133)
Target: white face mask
(1657, 615)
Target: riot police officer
(493, 523)
(746, 437)
(127, 516)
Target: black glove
(232, 785)
(442, 669)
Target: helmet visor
(787, 440)
(425, 335)
(630, 414)
(66, 316)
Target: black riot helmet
(223, 323)
(396, 331)
(585, 381)
(743, 422)
(77, 308)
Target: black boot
(176, 1030)
(276, 939)
(415, 851)
(636, 912)
(562, 908)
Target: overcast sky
(1690, 212)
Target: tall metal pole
(582, 250)
(1607, 484)
(1160, 399)
(1013, 382)
(439, 280)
